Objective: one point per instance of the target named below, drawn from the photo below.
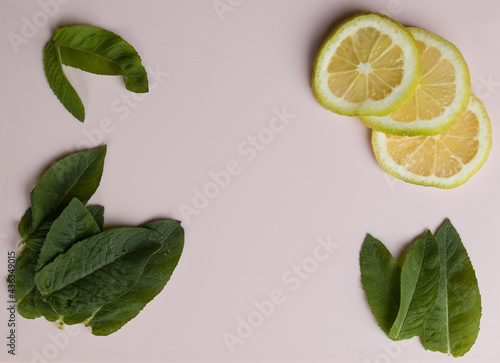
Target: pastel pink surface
(218, 81)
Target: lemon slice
(446, 160)
(369, 65)
(441, 96)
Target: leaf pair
(93, 50)
(73, 272)
(434, 295)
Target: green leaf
(75, 176)
(25, 284)
(25, 223)
(453, 325)
(97, 212)
(99, 51)
(111, 317)
(37, 238)
(59, 83)
(419, 285)
(380, 276)
(93, 50)
(74, 224)
(45, 309)
(29, 301)
(96, 271)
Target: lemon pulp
(366, 65)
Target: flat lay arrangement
(249, 181)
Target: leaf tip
(447, 222)
(80, 116)
(368, 238)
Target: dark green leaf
(74, 224)
(44, 308)
(97, 212)
(75, 176)
(111, 317)
(25, 284)
(59, 83)
(25, 223)
(96, 271)
(99, 51)
(37, 238)
(380, 275)
(453, 325)
(419, 285)
(30, 302)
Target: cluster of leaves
(70, 270)
(434, 295)
(93, 50)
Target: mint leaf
(380, 276)
(97, 212)
(75, 176)
(77, 274)
(93, 50)
(43, 308)
(99, 51)
(111, 317)
(37, 238)
(96, 271)
(74, 224)
(59, 84)
(453, 325)
(419, 284)
(25, 284)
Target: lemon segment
(369, 65)
(446, 160)
(441, 96)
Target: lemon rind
(430, 127)
(379, 141)
(399, 95)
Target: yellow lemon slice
(369, 65)
(446, 160)
(441, 96)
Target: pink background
(316, 178)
